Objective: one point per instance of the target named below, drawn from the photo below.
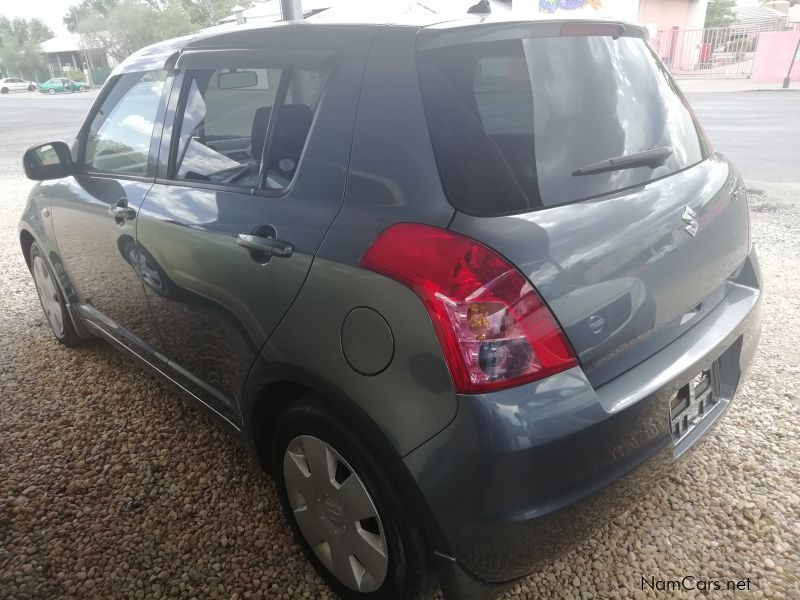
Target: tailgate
(621, 273)
(568, 148)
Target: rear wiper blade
(653, 158)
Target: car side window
(120, 134)
(227, 115)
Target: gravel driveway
(113, 486)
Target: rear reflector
(494, 329)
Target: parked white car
(15, 84)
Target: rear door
(628, 257)
(257, 160)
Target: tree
(205, 13)
(200, 13)
(129, 25)
(720, 13)
(87, 9)
(121, 27)
(20, 30)
(19, 45)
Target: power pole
(291, 10)
(791, 64)
(83, 47)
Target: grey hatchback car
(466, 289)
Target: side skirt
(159, 372)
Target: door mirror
(48, 161)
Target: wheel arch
(26, 240)
(267, 406)
(272, 388)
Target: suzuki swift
(465, 289)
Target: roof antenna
(481, 8)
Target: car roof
(314, 32)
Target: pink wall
(664, 13)
(774, 52)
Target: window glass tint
(512, 121)
(120, 134)
(224, 127)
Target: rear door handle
(269, 246)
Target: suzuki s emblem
(689, 217)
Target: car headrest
(291, 130)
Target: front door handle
(121, 210)
(269, 246)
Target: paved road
(30, 118)
(758, 130)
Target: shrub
(75, 75)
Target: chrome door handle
(121, 210)
(269, 246)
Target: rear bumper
(522, 475)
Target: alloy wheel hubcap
(46, 288)
(335, 513)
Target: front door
(95, 212)
(253, 178)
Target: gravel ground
(112, 486)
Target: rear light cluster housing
(494, 329)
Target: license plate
(691, 404)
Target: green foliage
(19, 31)
(720, 13)
(205, 13)
(87, 9)
(75, 75)
(123, 26)
(19, 45)
(200, 13)
(131, 25)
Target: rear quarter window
(511, 121)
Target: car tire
(51, 91)
(81, 89)
(51, 299)
(4, 91)
(383, 556)
(31, 88)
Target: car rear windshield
(513, 121)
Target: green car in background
(62, 84)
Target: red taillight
(495, 330)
